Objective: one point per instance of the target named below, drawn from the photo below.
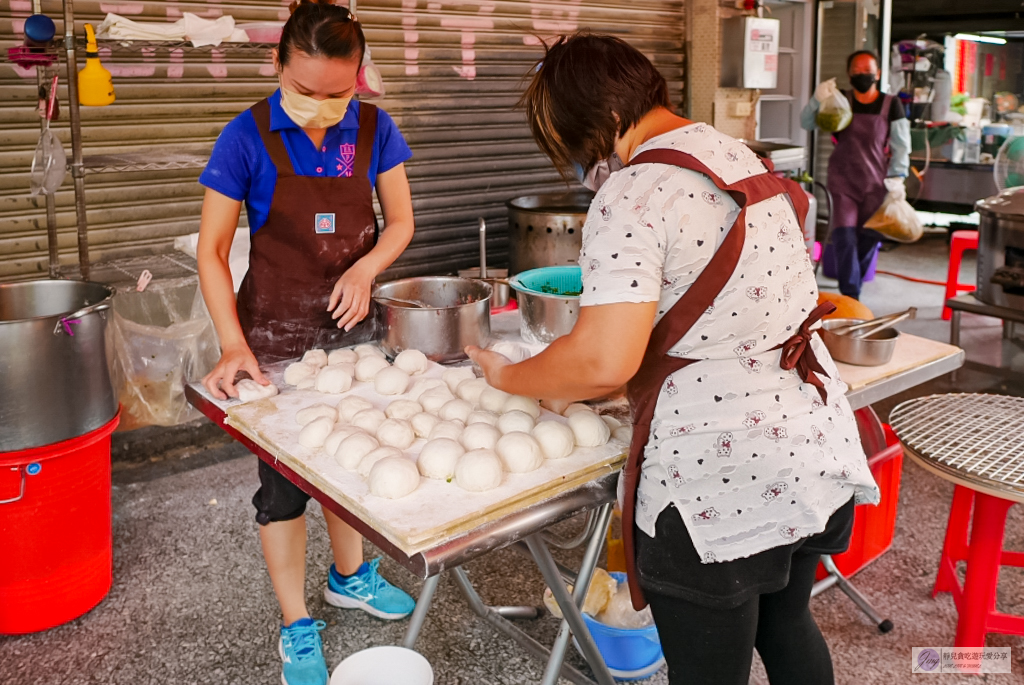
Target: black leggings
(706, 646)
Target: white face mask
(594, 177)
(308, 112)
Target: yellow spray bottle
(95, 86)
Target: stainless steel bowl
(545, 317)
(873, 350)
(457, 313)
(498, 280)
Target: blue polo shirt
(240, 166)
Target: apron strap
(272, 140)
(366, 139)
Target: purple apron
(858, 167)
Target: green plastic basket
(555, 281)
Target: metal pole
(77, 167)
(42, 82)
(419, 615)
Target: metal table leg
(836, 578)
(419, 614)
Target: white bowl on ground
(384, 666)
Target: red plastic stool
(984, 554)
(960, 242)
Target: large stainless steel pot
(1001, 250)
(457, 313)
(54, 377)
(546, 230)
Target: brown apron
(317, 227)
(643, 389)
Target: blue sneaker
(302, 653)
(366, 589)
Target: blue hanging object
(39, 30)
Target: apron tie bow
(798, 354)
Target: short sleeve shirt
(240, 166)
(747, 452)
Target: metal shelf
(137, 46)
(143, 161)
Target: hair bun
(298, 3)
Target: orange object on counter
(846, 307)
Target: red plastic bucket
(56, 561)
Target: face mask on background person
(308, 112)
(594, 177)
(862, 82)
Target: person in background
(873, 148)
(305, 161)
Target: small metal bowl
(873, 350)
(497, 279)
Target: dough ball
(250, 391)
(353, 448)
(368, 351)
(298, 372)
(433, 400)
(315, 411)
(482, 417)
(452, 377)
(334, 440)
(369, 420)
(512, 351)
(478, 470)
(314, 433)
(396, 433)
(612, 422)
(493, 400)
(523, 404)
(317, 358)
(556, 439)
(480, 436)
(575, 407)
(393, 477)
(471, 390)
(519, 452)
(369, 366)
(352, 405)
(342, 356)
(402, 409)
(423, 424)
(438, 458)
(413, 362)
(425, 384)
(623, 434)
(306, 384)
(515, 422)
(333, 380)
(391, 381)
(456, 409)
(376, 455)
(589, 429)
(447, 429)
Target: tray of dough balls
(422, 452)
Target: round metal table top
(974, 440)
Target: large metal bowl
(545, 317)
(457, 314)
(873, 350)
(497, 279)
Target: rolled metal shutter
(453, 73)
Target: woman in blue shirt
(305, 162)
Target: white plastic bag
(369, 82)
(896, 219)
(834, 112)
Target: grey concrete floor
(192, 603)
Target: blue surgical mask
(594, 177)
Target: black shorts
(278, 499)
(669, 565)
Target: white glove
(896, 189)
(825, 89)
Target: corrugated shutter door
(453, 73)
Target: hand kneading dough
(425, 384)
(249, 390)
(471, 390)
(433, 400)
(575, 407)
(524, 404)
(556, 439)
(333, 380)
(623, 434)
(438, 458)
(515, 422)
(298, 372)
(519, 452)
(612, 422)
(368, 367)
(368, 351)
(350, 406)
(353, 448)
(315, 411)
(589, 429)
(369, 420)
(480, 436)
(452, 377)
(478, 470)
(391, 381)
(412, 362)
(317, 358)
(393, 477)
(314, 433)
(512, 351)
(376, 455)
(447, 429)
(456, 409)
(342, 356)
(334, 440)
(482, 417)
(493, 400)
(402, 409)
(396, 433)
(423, 423)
